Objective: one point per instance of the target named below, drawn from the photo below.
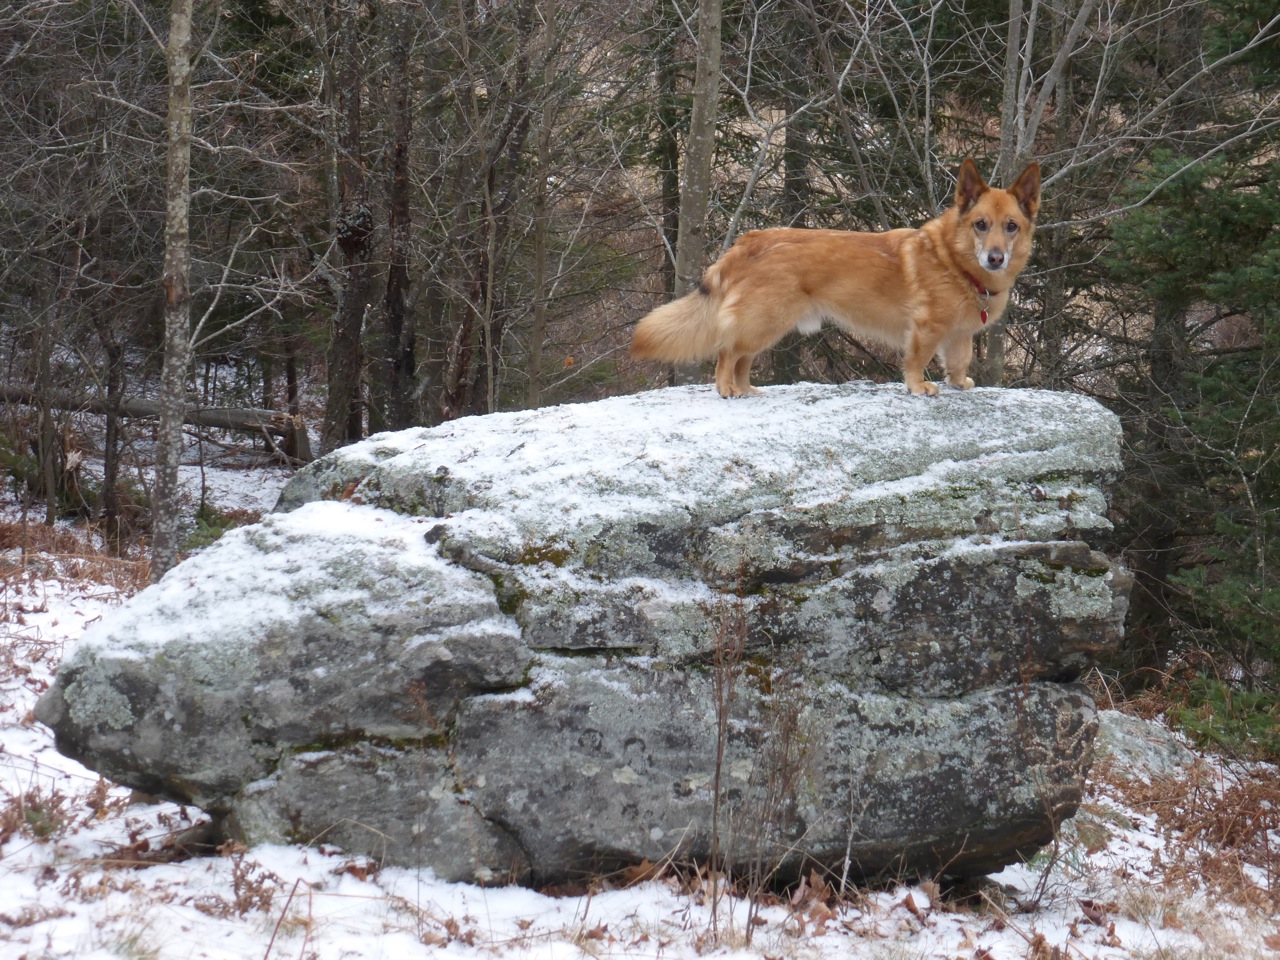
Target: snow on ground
(89, 871)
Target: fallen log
(269, 423)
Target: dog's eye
(980, 226)
(1012, 227)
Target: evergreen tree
(1206, 448)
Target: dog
(926, 291)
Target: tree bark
(990, 370)
(47, 435)
(695, 185)
(788, 355)
(695, 182)
(474, 366)
(667, 149)
(1019, 125)
(177, 297)
(244, 419)
(399, 331)
(541, 230)
(344, 412)
(113, 349)
(1009, 106)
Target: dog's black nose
(995, 259)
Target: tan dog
(925, 291)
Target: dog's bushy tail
(684, 330)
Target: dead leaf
(800, 894)
(820, 915)
(821, 889)
(1040, 949)
(933, 890)
(640, 873)
(909, 902)
(362, 870)
(1093, 913)
(1112, 939)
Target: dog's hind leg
(742, 376)
(725, 384)
(733, 374)
(919, 350)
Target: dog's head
(997, 225)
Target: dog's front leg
(957, 353)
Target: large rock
(832, 625)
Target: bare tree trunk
(1009, 100)
(110, 512)
(695, 182)
(695, 185)
(177, 297)
(990, 371)
(541, 213)
(343, 415)
(1053, 251)
(788, 355)
(668, 157)
(475, 366)
(297, 444)
(400, 334)
(47, 436)
(1020, 118)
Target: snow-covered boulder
(840, 624)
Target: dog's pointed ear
(1026, 189)
(969, 185)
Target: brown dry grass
(34, 552)
(1219, 820)
(1219, 827)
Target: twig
(283, 913)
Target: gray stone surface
(497, 647)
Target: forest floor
(1174, 855)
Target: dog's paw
(965, 384)
(923, 389)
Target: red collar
(983, 295)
